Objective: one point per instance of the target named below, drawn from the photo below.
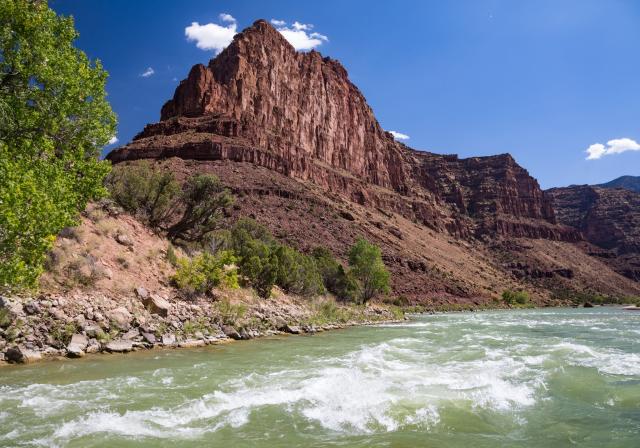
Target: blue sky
(542, 80)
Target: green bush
(54, 121)
(259, 264)
(229, 313)
(205, 271)
(515, 297)
(335, 277)
(144, 190)
(204, 200)
(297, 273)
(367, 267)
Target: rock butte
(261, 105)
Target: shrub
(336, 279)
(172, 258)
(229, 313)
(145, 191)
(54, 121)
(297, 273)
(205, 271)
(204, 199)
(515, 297)
(366, 264)
(260, 265)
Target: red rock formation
(262, 102)
(608, 218)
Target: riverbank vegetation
(243, 254)
(54, 121)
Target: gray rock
(245, 335)
(157, 305)
(59, 314)
(231, 332)
(92, 329)
(22, 355)
(142, 292)
(124, 239)
(293, 329)
(119, 346)
(168, 339)
(120, 317)
(278, 322)
(93, 347)
(149, 337)
(131, 334)
(31, 308)
(76, 347)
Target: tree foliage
(206, 271)
(338, 280)
(366, 264)
(144, 191)
(54, 119)
(204, 199)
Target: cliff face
(262, 102)
(608, 218)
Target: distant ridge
(628, 182)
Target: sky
(553, 82)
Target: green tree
(297, 273)
(206, 271)
(144, 191)
(204, 199)
(366, 264)
(338, 281)
(54, 120)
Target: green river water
(531, 378)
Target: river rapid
(530, 378)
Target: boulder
(245, 335)
(124, 239)
(93, 347)
(92, 329)
(77, 346)
(120, 317)
(157, 305)
(131, 334)
(293, 329)
(168, 339)
(149, 337)
(141, 292)
(119, 346)
(22, 355)
(31, 308)
(231, 332)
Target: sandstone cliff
(607, 217)
(291, 134)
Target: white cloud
(212, 36)
(399, 135)
(615, 146)
(113, 140)
(299, 34)
(227, 18)
(148, 72)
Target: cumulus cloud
(299, 34)
(148, 72)
(212, 36)
(615, 146)
(399, 135)
(113, 140)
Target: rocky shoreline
(53, 326)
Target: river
(530, 378)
